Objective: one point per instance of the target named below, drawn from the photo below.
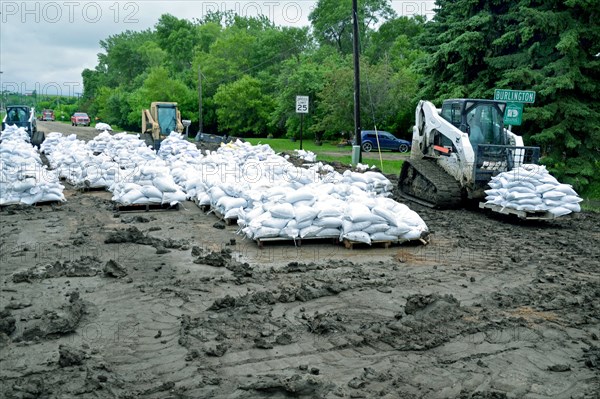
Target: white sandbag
(382, 236)
(275, 223)
(151, 191)
(266, 232)
(304, 213)
(290, 232)
(559, 211)
(348, 226)
(388, 216)
(357, 212)
(129, 197)
(377, 228)
(358, 236)
(310, 231)
(328, 222)
(565, 188)
(173, 198)
(284, 211)
(573, 207)
(292, 197)
(328, 232)
(398, 231)
(542, 188)
(414, 234)
(165, 184)
(233, 213)
(553, 194)
(570, 199)
(226, 203)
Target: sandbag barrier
(268, 196)
(531, 192)
(24, 179)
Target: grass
(328, 152)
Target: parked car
(387, 141)
(80, 118)
(47, 115)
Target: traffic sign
(515, 96)
(513, 114)
(302, 104)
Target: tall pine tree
(550, 46)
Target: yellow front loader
(159, 121)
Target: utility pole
(200, 127)
(357, 127)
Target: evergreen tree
(550, 46)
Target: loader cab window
(451, 111)
(17, 115)
(485, 123)
(167, 119)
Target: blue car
(387, 141)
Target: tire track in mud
(144, 348)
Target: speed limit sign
(302, 104)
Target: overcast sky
(45, 45)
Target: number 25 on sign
(302, 104)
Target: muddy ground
(173, 304)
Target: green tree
(332, 20)
(242, 107)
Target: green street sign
(517, 96)
(513, 114)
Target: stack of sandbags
(531, 188)
(129, 151)
(307, 156)
(12, 132)
(148, 185)
(23, 177)
(103, 127)
(176, 147)
(330, 210)
(51, 141)
(381, 219)
(99, 143)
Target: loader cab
(167, 118)
(482, 120)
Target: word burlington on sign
(521, 96)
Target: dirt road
(174, 305)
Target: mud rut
(491, 308)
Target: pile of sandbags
(321, 210)
(103, 127)
(12, 132)
(147, 185)
(23, 177)
(129, 151)
(98, 144)
(532, 188)
(307, 156)
(51, 141)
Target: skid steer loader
(24, 116)
(159, 121)
(457, 149)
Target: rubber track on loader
(434, 187)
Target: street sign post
(301, 108)
(513, 114)
(516, 96)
